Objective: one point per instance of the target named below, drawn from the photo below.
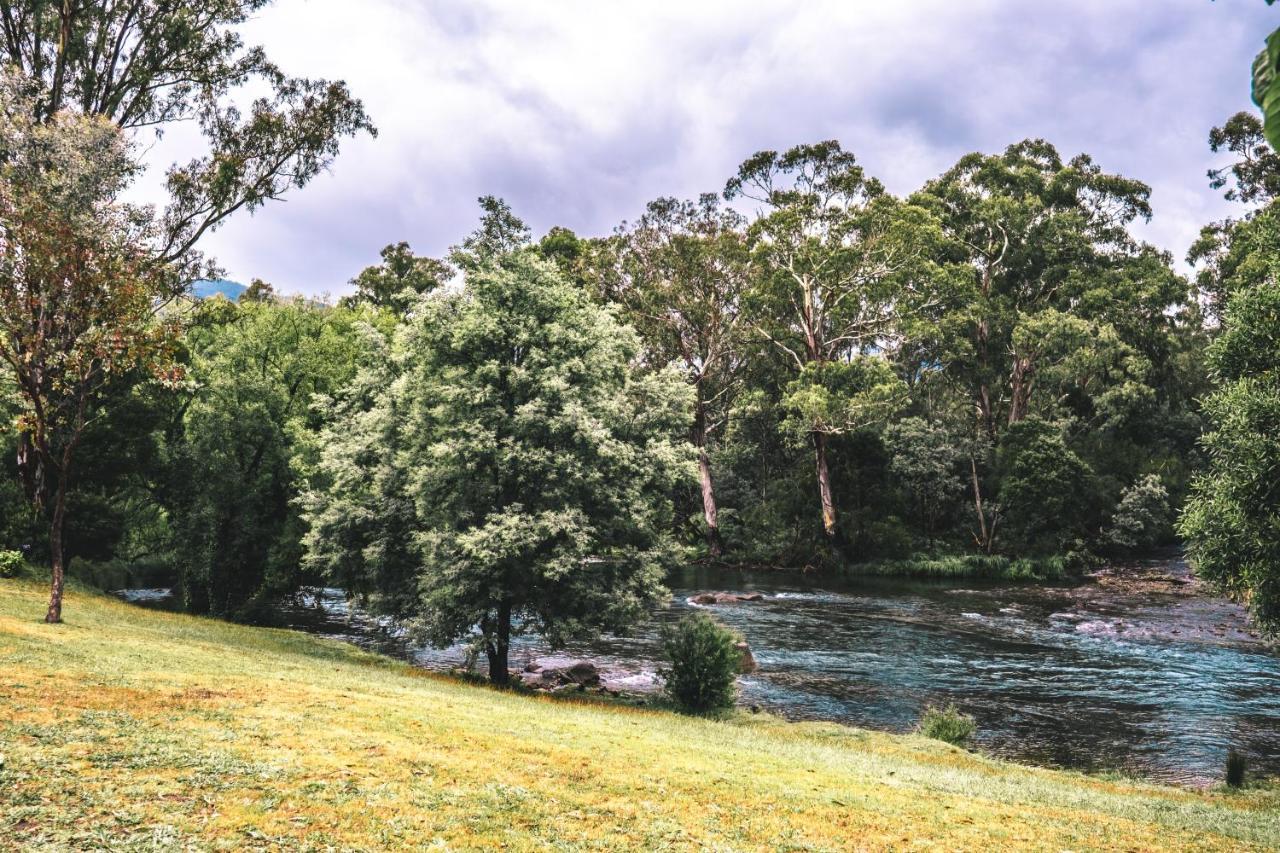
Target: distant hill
(205, 288)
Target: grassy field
(125, 728)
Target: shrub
(947, 724)
(1235, 769)
(704, 662)
(10, 564)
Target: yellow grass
(131, 729)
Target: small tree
(80, 288)
(704, 660)
(527, 482)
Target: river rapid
(1133, 671)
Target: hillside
(131, 728)
(207, 288)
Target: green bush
(10, 564)
(704, 662)
(947, 724)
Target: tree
(1256, 171)
(243, 426)
(837, 262)
(148, 64)
(1229, 521)
(528, 482)
(258, 291)
(1061, 313)
(80, 288)
(395, 283)
(682, 270)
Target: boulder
(551, 673)
(725, 597)
(747, 661)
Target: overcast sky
(580, 112)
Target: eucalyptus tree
(402, 276)
(1062, 312)
(80, 288)
(141, 66)
(682, 270)
(837, 262)
(510, 470)
(151, 64)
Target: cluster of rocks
(724, 597)
(557, 674)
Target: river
(1134, 672)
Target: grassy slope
(126, 727)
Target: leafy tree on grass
(80, 288)
(517, 466)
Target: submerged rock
(724, 597)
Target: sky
(579, 112)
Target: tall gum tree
(681, 272)
(1059, 304)
(837, 262)
(143, 65)
(80, 290)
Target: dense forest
(990, 375)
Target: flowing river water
(1133, 672)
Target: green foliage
(1142, 518)
(11, 563)
(230, 481)
(1045, 489)
(513, 472)
(947, 724)
(397, 282)
(704, 661)
(1266, 86)
(1229, 520)
(926, 465)
(987, 566)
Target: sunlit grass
(126, 728)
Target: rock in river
(552, 672)
(724, 597)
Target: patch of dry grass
(125, 728)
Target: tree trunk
(986, 537)
(1020, 382)
(715, 543)
(824, 486)
(497, 648)
(55, 550)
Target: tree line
(799, 369)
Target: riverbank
(131, 727)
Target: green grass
(993, 567)
(131, 729)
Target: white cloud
(579, 112)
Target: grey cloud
(579, 112)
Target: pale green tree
(509, 470)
